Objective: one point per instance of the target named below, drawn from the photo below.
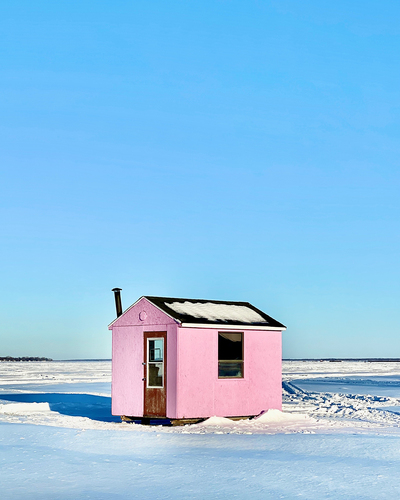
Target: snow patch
(277, 416)
(218, 421)
(217, 312)
(18, 408)
(269, 422)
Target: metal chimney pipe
(118, 303)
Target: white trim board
(231, 327)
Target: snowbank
(21, 408)
(276, 416)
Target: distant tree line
(24, 358)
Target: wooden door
(155, 379)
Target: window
(230, 355)
(155, 362)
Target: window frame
(222, 377)
(148, 362)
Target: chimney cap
(116, 289)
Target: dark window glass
(156, 348)
(155, 374)
(230, 355)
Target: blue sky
(217, 149)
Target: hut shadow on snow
(74, 405)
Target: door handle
(143, 379)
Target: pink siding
(127, 371)
(171, 370)
(202, 394)
(127, 358)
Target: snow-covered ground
(337, 437)
(358, 395)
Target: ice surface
(217, 312)
(55, 372)
(379, 386)
(41, 462)
(323, 445)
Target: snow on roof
(202, 312)
(217, 312)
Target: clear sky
(233, 150)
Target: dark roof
(214, 312)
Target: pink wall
(193, 387)
(127, 370)
(127, 358)
(201, 394)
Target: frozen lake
(334, 439)
(377, 386)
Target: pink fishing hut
(186, 359)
